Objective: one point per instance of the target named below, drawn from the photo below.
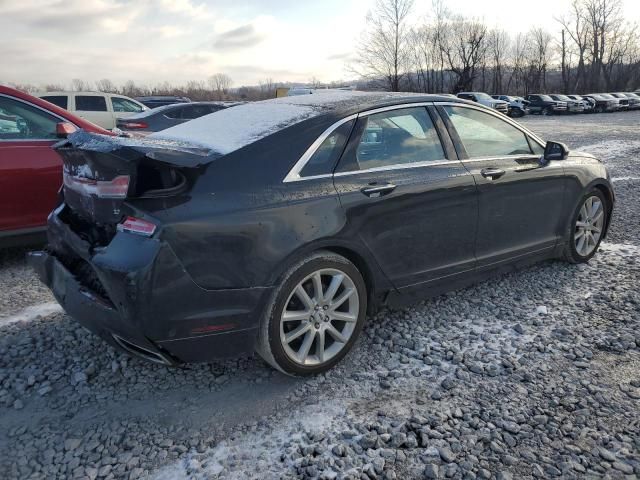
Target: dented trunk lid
(101, 173)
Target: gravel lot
(531, 375)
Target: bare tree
(78, 85)
(220, 84)
(106, 85)
(463, 46)
(499, 43)
(384, 48)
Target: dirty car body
(180, 264)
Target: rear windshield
(60, 100)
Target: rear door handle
(492, 173)
(375, 191)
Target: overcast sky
(150, 41)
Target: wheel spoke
(342, 298)
(288, 316)
(301, 330)
(581, 224)
(580, 245)
(304, 297)
(579, 234)
(343, 316)
(320, 345)
(598, 217)
(583, 212)
(317, 287)
(333, 331)
(336, 281)
(595, 206)
(303, 351)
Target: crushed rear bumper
(135, 294)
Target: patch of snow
(259, 451)
(541, 310)
(624, 179)
(32, 312)
(233, 128)
(610, 149)
(622, 249)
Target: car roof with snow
(231, 129)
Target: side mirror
(64, 128)
(555, 151)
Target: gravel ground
(531, 375)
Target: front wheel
(547, 111)
(587, 228)
(315, 316)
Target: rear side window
(91, 103)
(124, 105)
(173, 112)
(61, 101)
(325, 157)
(397, 137)
(484, 135)
(20, 121)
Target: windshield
(484, 96)
(546, 98)
(562, 97)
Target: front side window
(20, 121)
(123, 105)
(59, 100)
(484, 135)
(91, 103)
(325, 157)
(397, 137)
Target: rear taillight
(116, 188)
(133, 125)
(137, 226)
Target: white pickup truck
(486, 100)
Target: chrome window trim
(399, 166)
(18, 140)
(294, 173)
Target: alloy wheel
(589, 225)
(319, 317)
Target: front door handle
(492, 173)
(378, 190)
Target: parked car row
(555, 103)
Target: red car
(30, 170)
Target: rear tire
(587, 227)
(315, 315)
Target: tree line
(591, 48)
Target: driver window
(20, 121)
(484, 135)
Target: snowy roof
(233, 128)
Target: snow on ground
(30, 313)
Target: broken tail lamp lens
(116, 188)
(137, 226)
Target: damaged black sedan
(276, 226)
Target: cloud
(340, 56)
(241, 37)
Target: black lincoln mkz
(277, 225)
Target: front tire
(587, 227)
(315, 315)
